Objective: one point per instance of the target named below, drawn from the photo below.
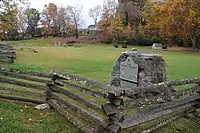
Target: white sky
(86, 4)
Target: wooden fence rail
(94, 107)
(7, 53)
(19, 85)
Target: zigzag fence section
(116, 109)
(23, 86)
(7, 53)
(95, 107)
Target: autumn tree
(95, 13)
(103, 24)
(130, 11)
(62, 21)
(109, 9)
(186, 18)
(33, 17)
(116, 26)
(174, 18)
(8, 19)
(75, 16)
(8, 16)
(49, 19)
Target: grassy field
(94, 62)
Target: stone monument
(136, 68)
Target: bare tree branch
(95, 13)
(75, 16)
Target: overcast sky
(86, 4)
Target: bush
(109, 40)
(124, 46)
(184, 42)
(140, 40)
(116, 46)
(146, 40)
(130, 41)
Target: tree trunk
(195, 43)
(126, 21)
(76, 33)
(137, 30)
(198, 42)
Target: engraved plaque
(125, 84)
(129, 70)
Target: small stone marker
(42, 106)
(137, 68)
(157, 46)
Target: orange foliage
(49, 19)
(173, 18)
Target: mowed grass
(20, 118)
(94, 62)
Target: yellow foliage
(116, 24)
(172, 17)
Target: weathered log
(140, 118)
(117, 101)
(169, 120)
(22, 91)
(84, 90)
(114, 128)
(172, 104)
(75, 97)
(169, 105)
(7, 56)
(195, 80)
(9, 60)
(110, 109)
(31, 73)
(91, 83)
(84, 112)
(130, 103)
(190, 91)
(20, 83)
(20, 76)
(7, 50)
(155, 88)
(21, 99)
(79, 124)
(117, 117)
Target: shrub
(146, 40)
(124, 46)
(116, 46)
(109, 40)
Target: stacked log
(7, 53)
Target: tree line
(26, 22)
(172, 21)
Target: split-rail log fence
(7, 53)
(23, 86)
(95, 107)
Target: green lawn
(94, 62)
(19, 118)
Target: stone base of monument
(137, 68)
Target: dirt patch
(80, 40)
(57, 69)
